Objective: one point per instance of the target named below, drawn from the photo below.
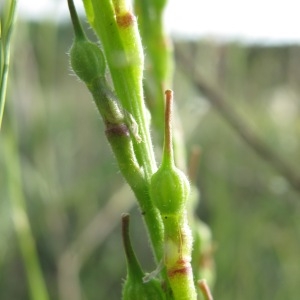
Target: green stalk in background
(37, 286)
(36, 283)
(158, 74)
(6, 27)
(159, 63)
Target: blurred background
(239, 101)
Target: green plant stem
(159, 73)
(37, 286)
(78, 31)
(5, 39)
(125, 61)
(159, 53)
(119, 137)
(119, 142)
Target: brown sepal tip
(202, 284)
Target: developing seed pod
(134, 287)
(169, 187)
(87, 59)
(169, 191)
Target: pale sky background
(264, 21)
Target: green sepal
(134, 288)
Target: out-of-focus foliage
(69, 173)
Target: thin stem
(121, 143)
(123, 50)
(79, 33)
(124, 55)
(5, 39)
(37, 286)
(159, 54)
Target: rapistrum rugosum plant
(114, 75)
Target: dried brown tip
(205, 289)
(168, 124)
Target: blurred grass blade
(5, 37)
(37, 287)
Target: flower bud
(87, 60)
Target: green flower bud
(87, 59)
(169, 187)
